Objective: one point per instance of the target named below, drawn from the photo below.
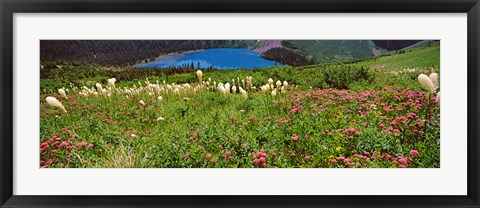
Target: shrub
(342, 76)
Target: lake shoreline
(175, 54)
(220, 58)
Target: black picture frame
(9, 7)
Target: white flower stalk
(249, 82)
(438, 97)
(142, 103)
(285, 84)
(222, 89)
(111, 82)
(279, 84)
(434, 78)
(227, 87)
(274, 93)
(264, 88)
(426, 82)
(234, 89)
(199, 75)
(62, 93)
(160, 98)
(244, 94)
(160, 119)
(55, 103)
(270, 81)
(99, 87)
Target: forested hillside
(288, 52)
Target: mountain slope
(124, 52)
(289, 52)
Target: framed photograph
(244, 104)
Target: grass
(428, 56)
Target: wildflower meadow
(338, 115)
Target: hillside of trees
(287, 57)
(288, 52)
(394, 45)
(123, 52)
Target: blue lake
(219, 58)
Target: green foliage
(428, 56)
(330, 51)
(176, 132)
(341, 76)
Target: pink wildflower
(403, 160)
(64, 144)
(82, 144)
(294, 137)
(252, 118)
